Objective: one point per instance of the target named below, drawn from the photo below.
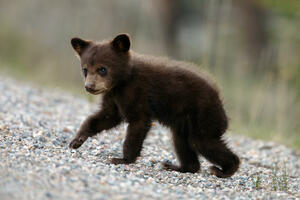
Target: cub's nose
(90, 87)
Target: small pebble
(37, 133)
(2, 127)
(68, 129)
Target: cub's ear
(79, 45)
(121, 43)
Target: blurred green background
(251, 47)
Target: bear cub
(139, 89)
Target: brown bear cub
(139, 89)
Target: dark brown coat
(139, 89)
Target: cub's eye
(84, 71)
(102, 71)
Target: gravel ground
(37, 125)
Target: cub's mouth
(95, 92)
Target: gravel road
(36, 126)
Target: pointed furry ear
(79, 45)
(121, 43)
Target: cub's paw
(218, 172)
(117, 161)
(77, 142)
(193, 168)
(169, 166)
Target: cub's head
(104, 64)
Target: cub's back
(173, 79)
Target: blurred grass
(262, 104)
(264, 108)
(28, 59)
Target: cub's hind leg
(186, 154)
(216, 151)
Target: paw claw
(182, 169)
(117, 161)
(169, 166)
(218, 172)
(77, 142)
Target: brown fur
(139, 89)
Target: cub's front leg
(79, 139)
(99, 121)
(136, 134)
(85, 131)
